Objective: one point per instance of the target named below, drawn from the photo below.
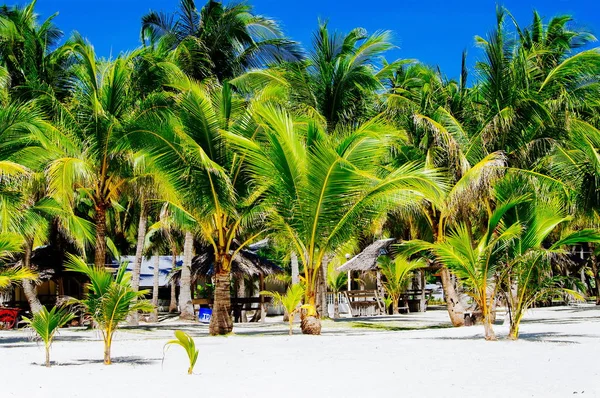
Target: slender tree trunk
(185, 289)
(155, 275)
(336, 306)
(513, 333)
(488, 328)
(295, 268)
(173, 301)
(29, 288)
(325, 306)
(241, 294)
(137, 264)
(453, 304)
(107, 344)
(100, 252)
(594, 266)
(220, 322)
(455, 308)
(47, 356)
(395, 307)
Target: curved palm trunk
(173, 301)
(185, 288)
(155, 274)
(29, 288)
(513, 333)
(100, 250)
(488, 328)
(220, 322)
(137, 265)
(455, 308)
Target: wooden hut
(365, 264)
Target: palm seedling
(110, 298)
(46, 323)
(184, 340)
(290, 301)
(397, 274)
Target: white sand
(558, 356)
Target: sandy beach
(556, 357)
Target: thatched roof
(367, 259)
(244, 263)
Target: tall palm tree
(219, 40)
(30, 53)
(338, 82)
(95, 164)
(324, 189)
(221, 201)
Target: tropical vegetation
(220, 131)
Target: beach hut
(368, 299)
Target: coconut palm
(221, 202)
(479, 263)
(338, 82)
(397, 273)
(290, 301)
(218, 40)
(323, 189)
(46, 323)
(30, 54)
(545, 242)
(110, 298)
(96, 161)
(10, 243)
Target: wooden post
(349, 280)
(378, 291)
(422, 303)
(263, 312)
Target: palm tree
(219, 40)
(110, 298)
(547, 236)
(290, 301)
(96, 160)
(397, 274)
(46, 323)
(30, 54)
(221, 203)
(479, 263)
(338, 82)
(323, 189)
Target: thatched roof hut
(245, 263)
(367, 259)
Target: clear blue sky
(433, 31)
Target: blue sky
(433, 31)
